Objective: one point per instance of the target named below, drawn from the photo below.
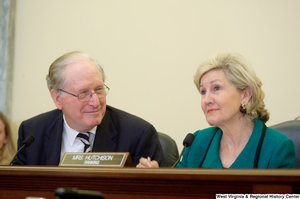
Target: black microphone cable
(26, 143)
(188, 140)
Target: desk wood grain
(23, 181)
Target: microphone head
(70, 192)
(28, 141)
(188, 140)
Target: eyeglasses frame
(81, 93)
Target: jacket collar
(106, 135)
(105, 138)
(53, 143)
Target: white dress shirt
(70, 143)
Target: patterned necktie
(85, 139)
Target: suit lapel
(105, 138)
(53, 141)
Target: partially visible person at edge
(232, 102)
(297, 118)
(77, 87)
(7, 146)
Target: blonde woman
(7, 147)
(233, 103)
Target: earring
(243, 108)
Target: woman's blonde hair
(242, 75)
(8, 150)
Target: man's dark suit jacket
(118, 132)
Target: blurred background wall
(150, 51)
(7, 46)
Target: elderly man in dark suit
(76, 85)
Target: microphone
(73, 193)
(188, 140)
(26, 143)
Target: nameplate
(97, 159)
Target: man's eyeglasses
(87, 95)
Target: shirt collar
(72, 134)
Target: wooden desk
(18, 182)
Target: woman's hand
(145, 163)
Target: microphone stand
(15, 157)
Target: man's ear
(247, 95)
(56, 98)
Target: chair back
(170, 150)
(292, 130)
